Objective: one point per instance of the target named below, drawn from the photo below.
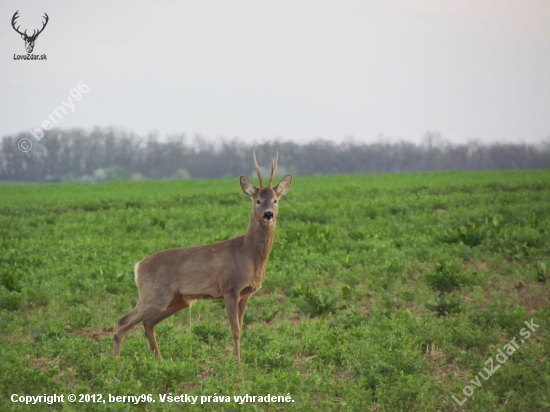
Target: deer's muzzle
(268, 215)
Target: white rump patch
(136, 267)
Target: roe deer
(233, 270)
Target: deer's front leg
(231, 306)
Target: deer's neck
(258, 241)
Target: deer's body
(209, 271)
(233, 270)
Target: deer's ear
(248, 187)
(283, 186)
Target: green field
(383, 292)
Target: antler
(34, 33)
(258, 171)
(43, 26)
(273, 169)
(15, 16)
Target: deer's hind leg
(244, 294)
(178, 303)
(146, 307)
(241, 307)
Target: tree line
(110, 154)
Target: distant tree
(113, 154)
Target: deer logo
(29, 40)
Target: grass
(383, 292)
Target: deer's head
(266, 199)
(29, 40)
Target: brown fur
(233, 270)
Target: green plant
(542, 271)
(444, 306)
(470, 233)
(10, 300)
(446, 277)
(11, 281)
(517, 252)
(347, 293)
(264, 316)
(208, 334)
(313, 303)
(312, 238)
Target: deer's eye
(275, 201)
(258, 201)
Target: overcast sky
(370, 70)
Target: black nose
(268, 215)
